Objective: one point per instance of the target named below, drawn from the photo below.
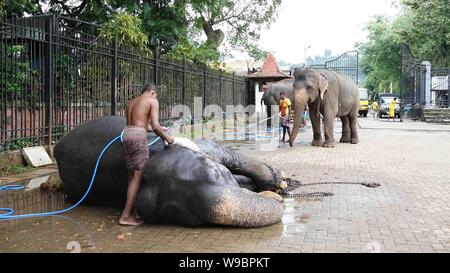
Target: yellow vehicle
(363, 102)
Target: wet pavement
(409, 212)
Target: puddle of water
(90, 228)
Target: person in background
(375, 109)
(285, 108)
(392, 106)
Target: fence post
(156, 66)
(427, 83)
(114, 79)
(233, 89)
(49, 82)
(220, 88)
(448, 88)
(357, 68)
(205, 70)
(183, 80)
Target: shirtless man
(142, 115)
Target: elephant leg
(345, 130)
(315, 122)
(328, 124)
(242, 208)
(353, 116)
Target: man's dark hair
(148, 87)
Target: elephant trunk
(300, 101)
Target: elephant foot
(317, 142)
(345, 140)
(354, 140)
(328, 144)
(271, 194)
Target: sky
(322, 24)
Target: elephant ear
(323, 85)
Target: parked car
(384, 100)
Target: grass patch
(15, 169)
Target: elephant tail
(240, 207)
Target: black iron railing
(346, 64)
(56, 72)
(440, 82)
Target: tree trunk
(214, 37)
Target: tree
(172, 26)
(380, 56)
(2, 8)
(127, 29)
(423, 25)
(18, 8)
(163, 21)
(240, 21)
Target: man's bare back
(143, 111)
(138, 111)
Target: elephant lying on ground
(181, 186)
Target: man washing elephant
(142, 115)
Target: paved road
(410, 212)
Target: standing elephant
(272, 94)
(330, 94)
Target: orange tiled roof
(269, 69)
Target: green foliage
(257, 54)
(15, 169)
(195, 52)
(17, 75)
(172, 26)
(17, 71)
(380, 56)
(18, 144)
(423, 25)
(2, 8)
(239, 20)
(127, 29)
(18, 8)
(66, 67)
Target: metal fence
(440, 82)
(346, 64)
(56, 72)
(412, 85)
(419, 88)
